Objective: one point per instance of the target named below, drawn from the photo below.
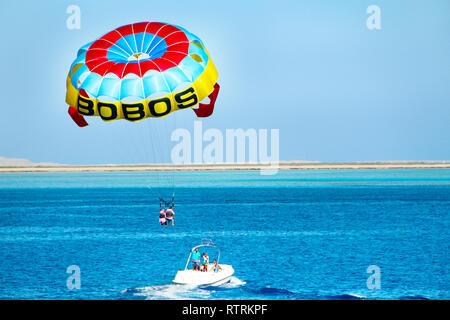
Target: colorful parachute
(146, 69)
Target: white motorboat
(211, 277)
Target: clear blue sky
(336, 90)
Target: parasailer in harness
(162, 217)
(170, 216)
(166, 213)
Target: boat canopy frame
(204, 243)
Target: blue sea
(299, 234)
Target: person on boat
(216, 267)
(162, 217)
(205, 262)
(196, 260)
(170, 216)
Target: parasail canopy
(140, 70)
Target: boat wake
(239, 289)
(169, 292)
(181, 291)
(234, 283)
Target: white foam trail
(234, 283)
(172, 292)
(180, 291)
(357, 295)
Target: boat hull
(209, 278)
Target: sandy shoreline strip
(218, 167)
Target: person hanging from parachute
(162, 217)
(170, 216)
(166, 211)
(142, 70)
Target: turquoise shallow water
(284, 178)
(294, 235)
